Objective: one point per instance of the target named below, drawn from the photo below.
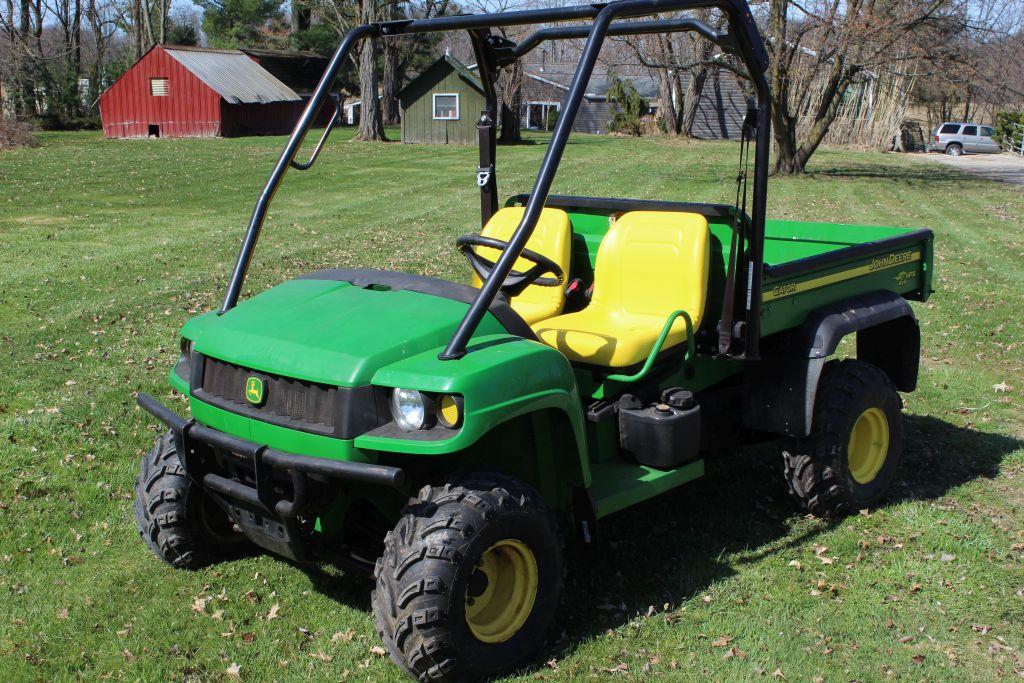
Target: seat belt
(485, 179)
(725, 325)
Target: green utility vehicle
(446, 437)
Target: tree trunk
(300, 18)
(371, 125)
(691, 101)
(391, 76)
(512, 104)
(25, 104)
(667, 86)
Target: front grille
(339, 412)
(290, 402)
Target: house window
(159, 87)
(540, 115)
(446, 107)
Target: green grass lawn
(107, 247)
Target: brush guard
(267, 517)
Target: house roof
(561, 75)
(233, 75)
(300, 70)
(456, 66)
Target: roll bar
(743, 39)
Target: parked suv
(958, 138)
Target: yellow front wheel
(502, 591)
(469, 579)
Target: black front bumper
(264, 500)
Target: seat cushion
(650, 264)
(598, 336)
(552, 238)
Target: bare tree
(390, 69)
(819, 49)
(670, 56)
(371, 125)
(511, 104)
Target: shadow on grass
(671, 549)
(917, 173)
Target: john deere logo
(254, 391)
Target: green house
(442, 105)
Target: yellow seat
(553, 238)
(650, 264)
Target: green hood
(330, 332)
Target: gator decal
(881, 263)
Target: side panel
(789, 299)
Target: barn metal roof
(234, 75)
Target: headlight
(409, 408)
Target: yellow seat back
(649, 264)
(652, 263)
(552, 238)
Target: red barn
(175, 91)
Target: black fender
(779, 389)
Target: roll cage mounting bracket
(494, 52)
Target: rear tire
(954, 149)
(177, 519)
(849, 459)
(469, 580)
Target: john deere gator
(447, 438)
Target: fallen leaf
(735, 652)
(234, 671)
(983, 630)
(918, 659)
(721, 641)
(343, 637)
(1002, 387)
(63, 614)
(778, 674)
(378, 650)
(946, 557)
(796, 563)
(272, 614)
(321, 656)
(199, 605)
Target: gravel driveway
(1007, 168)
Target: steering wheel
(516, 281)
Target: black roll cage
(737, 338)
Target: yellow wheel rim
(501, 591)
(869, 444)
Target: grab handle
(323, 138)
(691, 348)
